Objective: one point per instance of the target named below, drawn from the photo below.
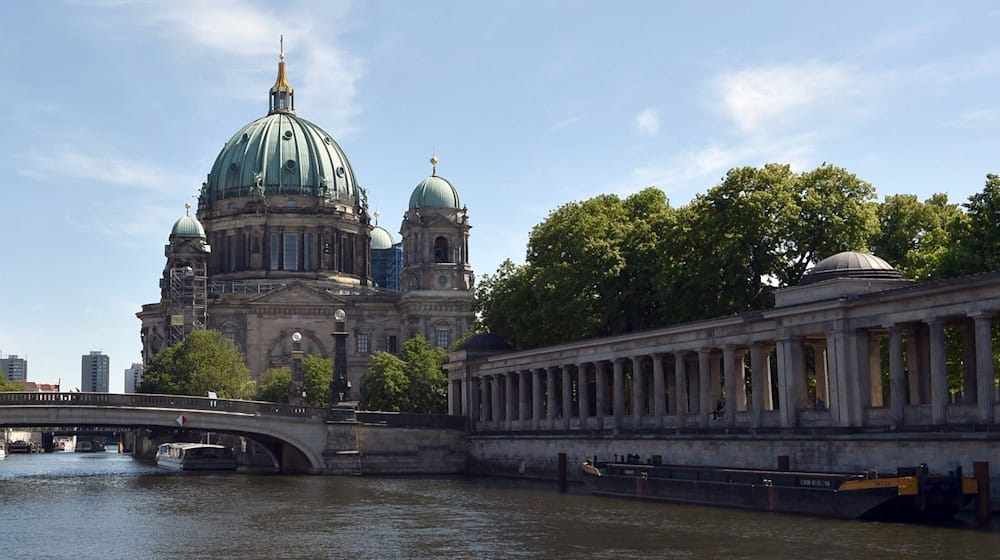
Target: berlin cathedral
(282, 239)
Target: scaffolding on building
(188, 300)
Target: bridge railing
(144, 400)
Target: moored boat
(20, 446)
(910, 493)
(89, 446)
(3, 450)
(195, 457)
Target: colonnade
(878, 375)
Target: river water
(106, 505)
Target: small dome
(434, 192)
(381, 238)
(188, 226)
(485, 342)
(851, 264)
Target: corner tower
(437, 279)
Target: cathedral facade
(282, 239)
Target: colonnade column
(704, 386)
(659, 404)
(601, 396)
(969, 384)
(757, 373)
(567, 397)
(551, 407)
(680, 381)
(474, 411)
(730, 367)
(618, 392)
(791, 380)
(985, 391)
(939, 377)
(636, 391)
(486, 388)
(536, 398)
(819, 372)
(523, 405)
(897, 375)
(508, 390)
(583, 393)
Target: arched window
(440, 250)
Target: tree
(384, 386)
(915, 236)
(428, 387)
(8, 385)
(205, 361)
(273, 387)
(976, 235)
(317, 372)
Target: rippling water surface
(69, 505)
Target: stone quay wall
(536, 456)
(360, 448)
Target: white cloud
(767, 96)
(61, 163)
(246, 37)
(648, 121)
(569, 121)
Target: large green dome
(434, 192)
(281, 154)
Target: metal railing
(179, 402)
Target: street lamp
(296, 393)
(339, 384)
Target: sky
(115, 110)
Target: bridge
(295, 435)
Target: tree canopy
(412, 382)
(317, 372)
(608, 265)
(273, 386)
(205, 361)
(8, 385)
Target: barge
(911, 493)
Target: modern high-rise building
(14, 368)
(133, 377)
(94, 371)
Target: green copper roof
(187, 226)
(381, 238)
(434, 192)
(281, 154)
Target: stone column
(601, 394)
(508, 396)
(636, 391)
(913, 366)
(659, 401)
(740, 389)
(768, 390)
(583, 393)
(715, 379)
(791, 380)
(985, 390)
(523, 403)
(819, 360)
(671, 382)
(452, 397)
(939, 375)
(489, 399)
(536, 398)
(757, 373)
(618, 392)
(875, 370)
(731, 365)
(897, 375)
(704, 386)
(680, 380)
(567, 397)
(552, 404)
(969, 389)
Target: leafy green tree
(976, 235)
(273, 387)
(205, 361)
(428, 387)
(384, 386)
(317, 372)
(8, 385)
(915, 237)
